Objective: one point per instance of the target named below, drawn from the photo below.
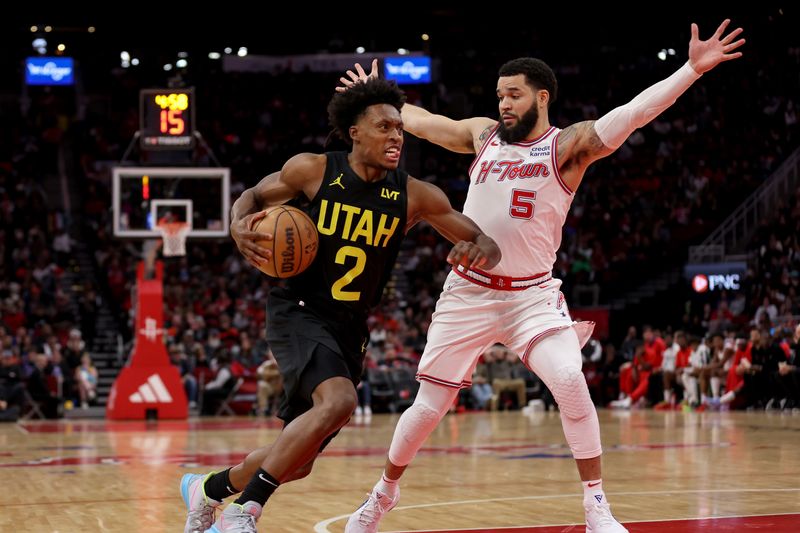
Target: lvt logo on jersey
(511, 170)
(391, 195)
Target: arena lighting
(91, 29)
(360, 50)
(183, 55)
(242, 51)
(168, 67)
(181, 63)
(402, 51)
(662, 55)
(214, 55)
(228, 50)
(135, 61)
(34, 29)
(425, 37)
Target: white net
(173, 235)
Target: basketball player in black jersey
(362, 205)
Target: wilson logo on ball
(287, 255)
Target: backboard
(144, 195)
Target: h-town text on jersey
(516, 169)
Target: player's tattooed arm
(580, 144)
(483, 137)
(578, 147)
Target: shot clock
(166, 119)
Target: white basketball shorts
(469, 319)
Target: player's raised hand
(359, 76)
(705, 55)
(247, 240)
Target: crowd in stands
(635, 212)
(44, 315)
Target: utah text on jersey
(364, 226)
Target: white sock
(387, 486)
(593, 491)
(728, 397)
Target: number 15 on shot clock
(166, 119)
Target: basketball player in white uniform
(521, 186)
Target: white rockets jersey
(518, 198)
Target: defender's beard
(521, 129)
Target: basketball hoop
(174, 234)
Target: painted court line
(786, 522)
(322, 526)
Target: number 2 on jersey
(522, 203)
(361, 261)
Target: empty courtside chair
(383, 391)
(225, 404)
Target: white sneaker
(624, 403)
(365, 519)
(359, 411)
(367, 410)
(600, 520)
(238, 518)
(201, 508)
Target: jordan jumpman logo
(337, 181)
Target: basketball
(294, 241)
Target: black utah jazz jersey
(360, 228)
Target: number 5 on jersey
(522, 203)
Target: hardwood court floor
(478, 472)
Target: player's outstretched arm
(472, 248)
(461, 136)
(582, 143)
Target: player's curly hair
(346, 108)
(537, 74)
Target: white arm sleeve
(615, 126)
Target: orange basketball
(294, 240)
